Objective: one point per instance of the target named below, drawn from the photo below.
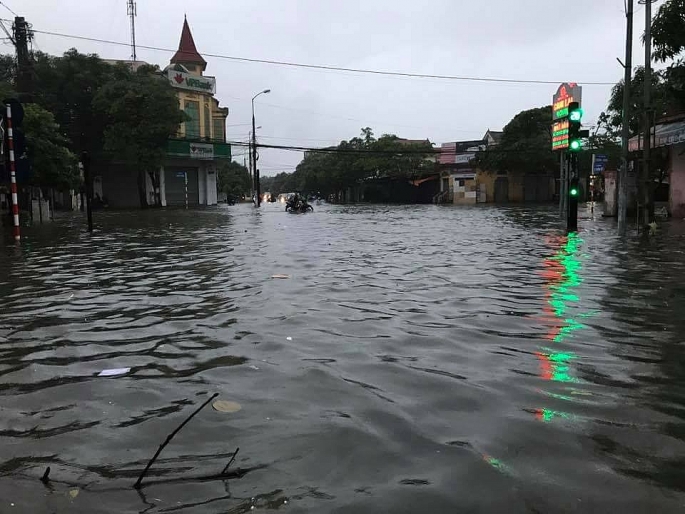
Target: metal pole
(563, 180)
(132, 12)
(625, 134)
(254, 159)
(249, 156)
(13, 176)
(647, 138)
(185, 179)
(85, 160)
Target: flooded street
(414, 359)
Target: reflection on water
(417, 359)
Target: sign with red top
(566, 93)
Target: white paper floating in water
(280, 275)
(289, 338)
(113, 372)
(226, 406)
(73, 493)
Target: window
(192, 109)
(208, 123)
(219, 129)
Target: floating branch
(138, 483)
(230, 461)
(46, 476)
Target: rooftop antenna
(132, 12)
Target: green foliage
(233, 179)
(526, 145)
(52, 164)
(668, 30)
(349, 163)
(67, 86)
(612, 119)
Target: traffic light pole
(563, 184)
(573, 192)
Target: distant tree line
(350, 163)
(233, 179)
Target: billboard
(560, 135)
(190, 82)
(566, 93)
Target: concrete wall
(487, 179)
(516, 192)
(466, 194)
(211, 184)
(677, 179)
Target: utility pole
(21, 38)
(647, 124)
(132, 11)
(249, 156)
(625, 133)
(254, 160)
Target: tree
(347, 165)
(611, 120)
(141, 111)
(668, 30)
(233, 179)
(526, 145)
(52, 164)
(67, 87)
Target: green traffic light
(575, 115)
(573, 192)
(574, 145)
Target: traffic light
(575, 115)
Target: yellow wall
(487, 178)
(204, 100)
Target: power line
(330, 67)
(10, 10)
(355, 151)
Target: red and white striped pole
(13, 175)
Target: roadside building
(668, 137)
(193, 153)
(458, 182)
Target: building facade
(188, 175)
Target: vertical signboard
(566, 93)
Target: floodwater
(415, 359)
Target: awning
(666, 134)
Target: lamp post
(249, 169)
(254, 151)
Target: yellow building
(190, 170)
(188, 176)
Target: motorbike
(297, 206)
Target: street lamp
(249, 157)
(254, 151)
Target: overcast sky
(524, 39)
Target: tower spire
(132, 12)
